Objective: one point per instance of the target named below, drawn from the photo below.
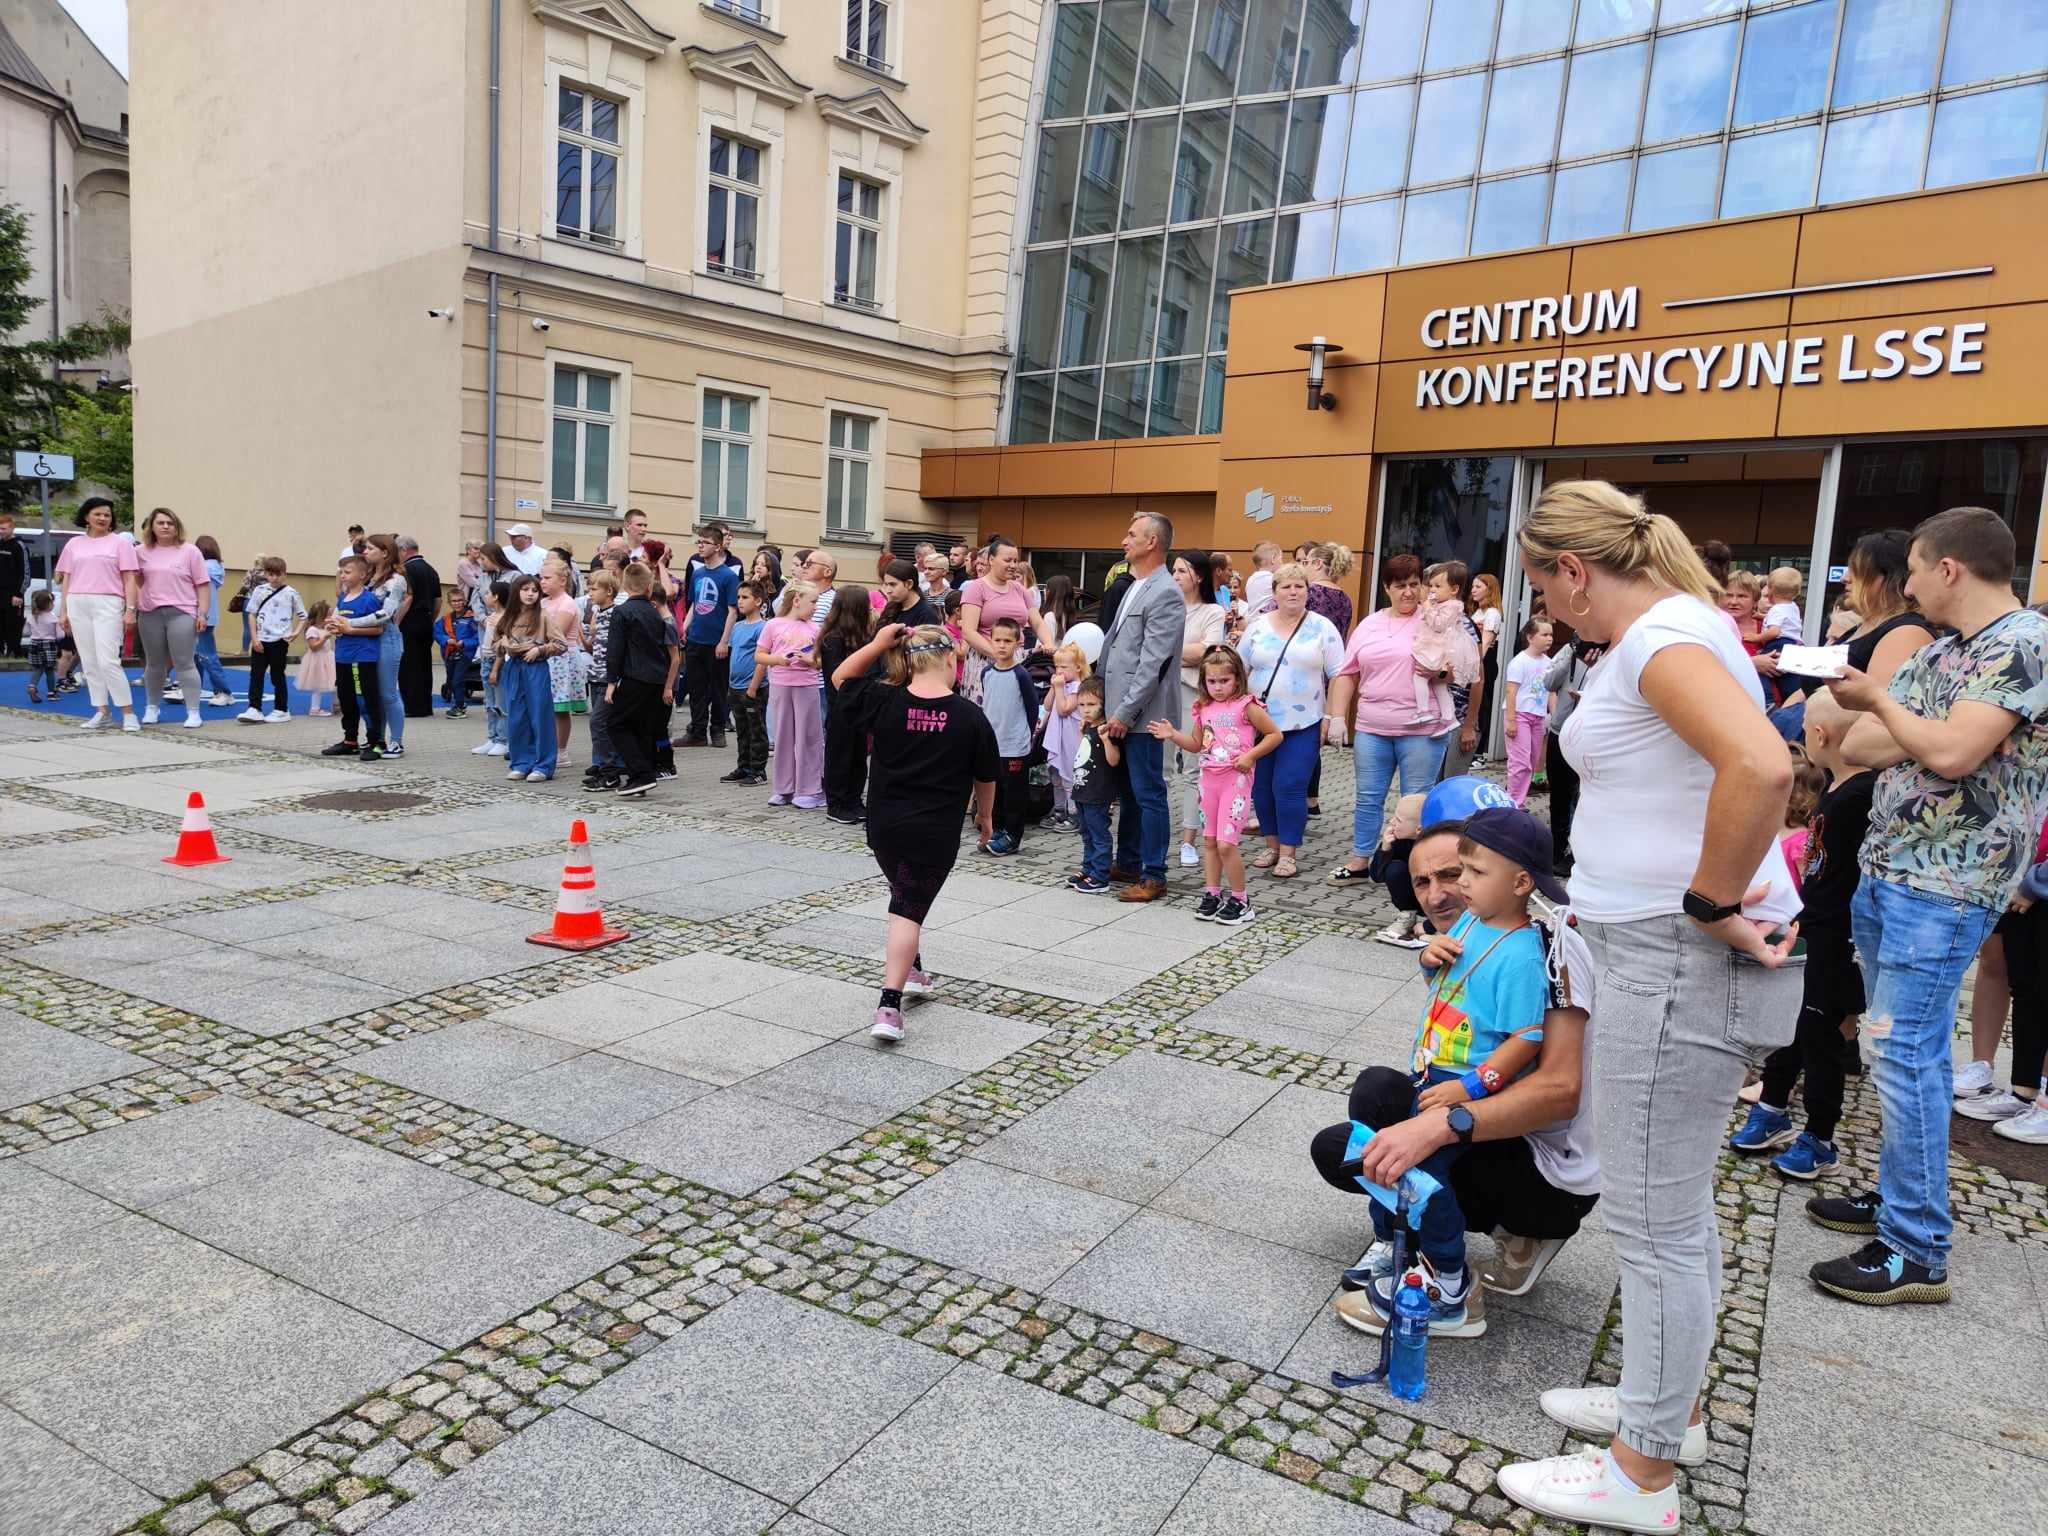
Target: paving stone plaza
(329, 1203)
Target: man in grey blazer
(1141, 681)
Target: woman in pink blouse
(1379, 672)
(99, 582)
(1000, 594)
(175, 597)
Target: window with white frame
(755, 11)
(732, 242)
(728, 443)
(857, 246)
(867, 32)
(585, 421)
(587, 154)
(850, 448)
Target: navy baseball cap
(1522, 839)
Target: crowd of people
(1786, 864)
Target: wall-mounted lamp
(1317, 349)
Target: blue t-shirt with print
(746, 639)
(353, 649)
(714, 590)
(1497, 987)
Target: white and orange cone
(579, 924)
(195, 837)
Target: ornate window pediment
(747, 65)
(614, 20)
(875, 111)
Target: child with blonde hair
(1062, 731)
(1442, 644)
(316, 667)
(786, 658)
(1782, 619)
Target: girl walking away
(568, 667)
(495, 743)
(455, 636)
(316, 667)
(275, 615)
(99, 581)
(1230, 732)
(1063, 730)
(358, 632)
(1526, 708)
(846, 630)
(931, 746)
(176, 593)
(528, 639)
(787, 659)
(43, 641)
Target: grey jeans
(169, 641)
(1676, 1017)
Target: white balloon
(1088, 637)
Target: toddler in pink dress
(1443, 643)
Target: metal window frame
(583, 417)
(721, 438)
(849, 458)
(587, 145)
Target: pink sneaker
(888, 1025)
(919, 984)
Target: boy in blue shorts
(1481, 1029)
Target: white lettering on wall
(1542, 319)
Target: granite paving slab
(817, 1005)
(731, 1140)
(465, 1059)
(1231, 1499)
(996, 1222)
(716, 1047)
(38, 1061)
(848, 1083)
(594, 1015)
(147, 1163)
(1270, 1193)
(953, 1037)
(46, 1485)
(36, 1207)
(1169, 1090)
(1124, 1157)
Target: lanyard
(1425, 1038)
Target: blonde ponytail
(1605, 526)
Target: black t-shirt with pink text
(926, 755)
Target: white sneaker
(563, 760)
(152, 715)
(1597, 1411)
(482, 749)
(2002, 1105)
(516, 773)
(194, 720)
(251, 717)
(220, 701)
(1973, 1077)
(2031, 1127)
(538, 777)
(1582, 1489)
(96, 721)
(277, 717)
(500, 748)
(130, 724)
(1190, 856)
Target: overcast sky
(106, 23)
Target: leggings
(1280, 784)
(169, 639)
(96, 627)
(2026, 963)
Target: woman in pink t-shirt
(99, 582)
(176, 593)
(999, 594)
(1379, 672)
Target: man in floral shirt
(1954, 819)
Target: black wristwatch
(1702, 909)
(1459, 1118)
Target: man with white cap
(522, 551)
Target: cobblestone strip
(395, 1444)
(67, 1116)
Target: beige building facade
(745, 259)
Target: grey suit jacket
(1141, 657)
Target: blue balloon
(1455, 799)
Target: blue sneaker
(1764, 1129)
(1807, 1158)
(1462, 1316)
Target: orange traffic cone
(578, 922)
(195, 837)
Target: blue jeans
(1143, 816)
(494, 708)
(1094, 821)
(1382, 1097)
(391, 645)
(1376, 759)
(1914, 947)
(530, 712)
(211, 671)
(1280, 785)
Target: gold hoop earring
(1578, 597)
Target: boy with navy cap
(1482, 1028)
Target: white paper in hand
(1813, 660)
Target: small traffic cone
(195, 837)
(578, 922)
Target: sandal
(1344, 874)
(1265, 860)
(1284, 868)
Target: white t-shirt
(1643, 792)
(529, 560)
(1786, 619)
(1526, 672)
(1564, 1153)
(1488, 620)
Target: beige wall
(25, 133)
(75, 68)
(296, 212)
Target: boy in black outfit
(1095, 791)
(639, 680)
(1833, 993)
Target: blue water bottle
(1411, 1337)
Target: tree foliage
(97, 427)
(32, 393)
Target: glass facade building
(1189, 148)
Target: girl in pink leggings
(1231, 731)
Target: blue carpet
(14, 695)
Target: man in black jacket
(14, 575)
(416, 629)
(639, 679)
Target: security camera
(440, 314)
(539, 324)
